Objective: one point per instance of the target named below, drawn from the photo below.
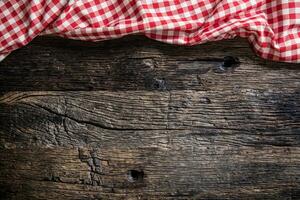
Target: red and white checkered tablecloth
(271, 26)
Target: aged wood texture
(137, 119)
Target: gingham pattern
(271, 26)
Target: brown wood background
(137, 119)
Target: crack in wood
(96, 124)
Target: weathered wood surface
(137, 119)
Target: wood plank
(146, 120)
(203, 171)
(136, 63)
(262, 115)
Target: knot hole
(135, 176)
(228, 65)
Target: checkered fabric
(271, 26)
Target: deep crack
(96, 124)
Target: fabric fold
(271, 26)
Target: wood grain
(134, 63)
(137, 119)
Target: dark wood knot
(228, 65)
(159, 84)
(135, 175)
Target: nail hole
(135, 176)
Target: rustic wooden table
(137, 119)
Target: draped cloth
(271, 26)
